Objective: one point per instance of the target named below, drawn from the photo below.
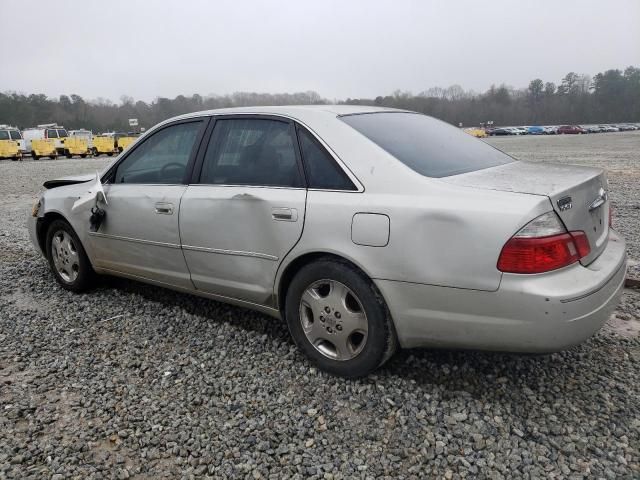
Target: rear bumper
(528, 313)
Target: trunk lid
(579, 195)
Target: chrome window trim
(359, 186)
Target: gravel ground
(133, 381)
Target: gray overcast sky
(340, 49)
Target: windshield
(52, 134)
(15, 135)
(4, 135)
(62, 133)
(431, 147)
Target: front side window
(322, 171)
(52, 133)
(62, 133)
(428, 146)
(251, 152)
(15, 135)
(4, 135)
(162, 158)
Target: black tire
(381, 340)
(84, 155)
(68, 154)
(110, 154)
(85, 276)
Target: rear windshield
(431, 147)
(4, 135)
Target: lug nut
(339, 328)
(322, 318)
(327, 309)
(338, 315)
(329, 330)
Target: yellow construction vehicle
(10, 149)
(125, 141)
(76, 146)
(105, 145)
(43, 147)
(476, 132)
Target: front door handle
(163, 208)
(284, 214)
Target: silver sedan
(363, 228)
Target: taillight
(541, 246)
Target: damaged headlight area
(36, 207)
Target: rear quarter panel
(438, 235)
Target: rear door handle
(284, 214)
(163, 208)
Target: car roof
(293, 111)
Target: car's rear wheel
(67, 258)
(338, 319)
(34, 156)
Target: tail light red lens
(527, 252)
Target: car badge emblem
(565, 203)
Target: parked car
(625, 128)
(591, 128)
(363, 228)
(500, 132)
(52, 131)
(535, 130)
(609, 128)
(550, 130)
(570, 129)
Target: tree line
(608, 97)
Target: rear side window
(321, 169)
(430, 147)
(251, 151)
(52, 134)
(15, 135)
(4, 135)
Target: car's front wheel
(67, 258)
(338, 318)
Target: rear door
(245, 208)
(140, 234)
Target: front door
(139, 235)
(247, 209)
